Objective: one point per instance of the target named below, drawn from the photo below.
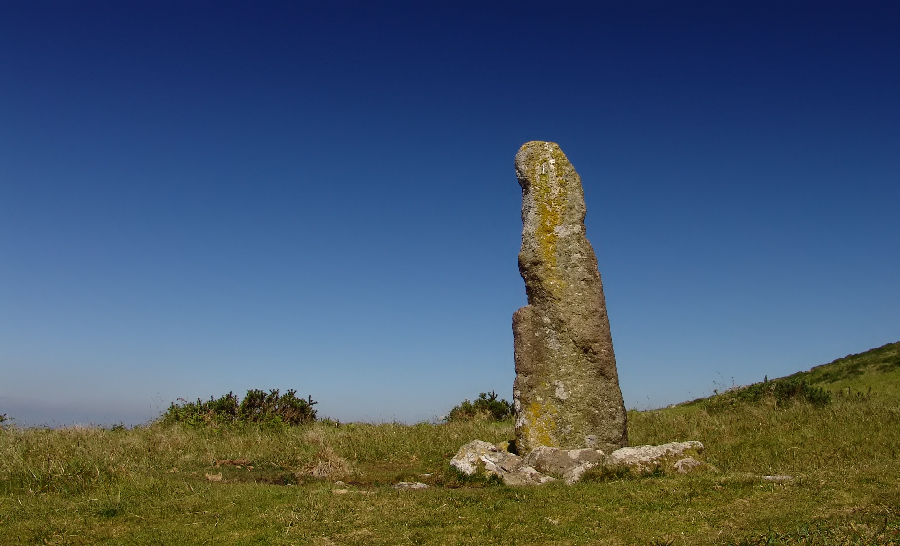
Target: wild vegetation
(259, 407)
(486, 406)
(324, 482)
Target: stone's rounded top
(529, 150)
(538, 143)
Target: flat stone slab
(410, 485)
(646, 458)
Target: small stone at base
(411, 485)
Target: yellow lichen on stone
(562, 336)
(550, 196)
(542, 424)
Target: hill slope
(876, 371)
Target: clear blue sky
(210, 196)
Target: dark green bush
(486, 406)
(783, 391)
(258, 407)
(788, 390)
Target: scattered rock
(576, 473)
(467, 458)
(566, 463)
(344, 491)
(688, 464)
(647, 458)
(546, 464)
(778, 478)
(508, 467)
(566, 392)
(214, 477)
(512, 470)
(410, 485)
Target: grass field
(331, 483)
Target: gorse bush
(258, 407)
(783, 392)
(486, 406)
(788, 390)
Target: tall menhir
(566, 390)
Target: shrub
(259, 407)
(788, 390)
(486, 407)
(782, 391)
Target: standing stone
(566, 391)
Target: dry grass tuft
(328, 465)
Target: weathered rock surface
(508, 467)
(410, 485)
(553, 460)
(568, 464)
(469, 456)
(512, 470)
(566, 392)
(545, 464)
(647, 458)
(688, 464)
(778, 478)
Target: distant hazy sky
(200, 197)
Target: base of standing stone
(548, 464)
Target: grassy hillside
(872, 372)
(330, 483)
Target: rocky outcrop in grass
(546, 464)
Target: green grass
(176, 484)
(873, 372)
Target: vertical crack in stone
(566, 391)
